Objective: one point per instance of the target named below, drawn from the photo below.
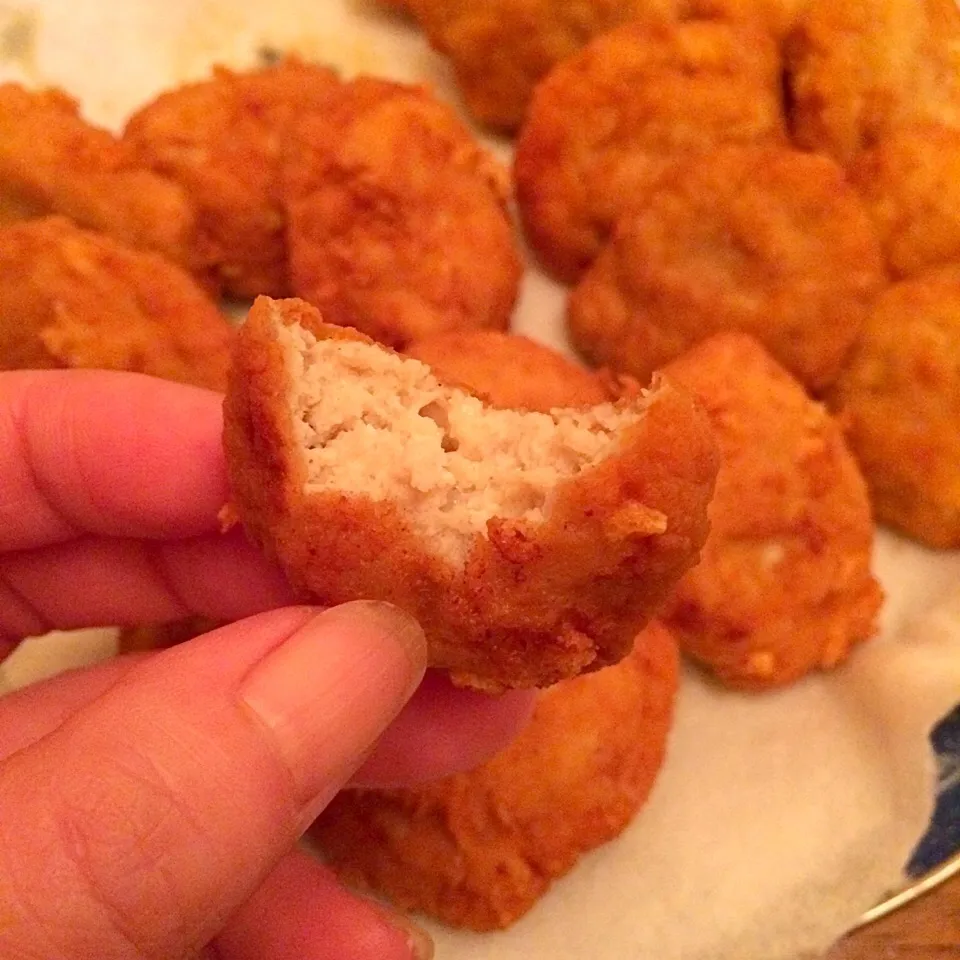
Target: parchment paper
(777, 818)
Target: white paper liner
(777, 819)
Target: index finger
(107, 453)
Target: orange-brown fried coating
(509, 370)
(222, 139)
(500, 49)
(604, 125)
(910, 184)
(478, 849)
(763, 239)
(857, 71)
(899, 398)
(777, 16)
(73, 298)
(530, 546)
(53, 162)
(784, 584)
(398, 223)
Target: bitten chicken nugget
(766, 240)
(604, 124)
(54, 162)
(530, 546)
(222, 139)
(398, 221)
(858, 70)
(499, 49)
(479, 849)
(899, 398)
(910, 183)
(72, 298)
(784, 583)
(509, 370)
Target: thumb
(138, 826)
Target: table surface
(928, 929)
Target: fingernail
(327, 693)
(419, 942)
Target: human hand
(149, 806)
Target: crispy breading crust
(858, 70)
(762, 239)
(604, 124)
(532, 604)
(777, 16)
(73, 298)
(899, 398)
(223, 140)
(510, 370)
(910, 184)
(499, 49)
(478, 849)
(784, 585)
(398, 223)
(53, 162)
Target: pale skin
(150, 806)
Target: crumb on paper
(268, 56)
(19, 28)
(348, 56)
(218, 35)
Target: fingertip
(444, 730)
(301, 911)
(328, 692)
(396, 623)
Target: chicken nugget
(73, 298)
(500, 49)
(762, 239)
(222, 140)
(397, 218)
(604, 124)
(54, 162)
(899, 398)
(478, 849)
(858, 70)
(784, 585)
(530, 546)
(910, 184)
(509, 370)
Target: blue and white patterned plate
(936, 857)
(942, 840)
